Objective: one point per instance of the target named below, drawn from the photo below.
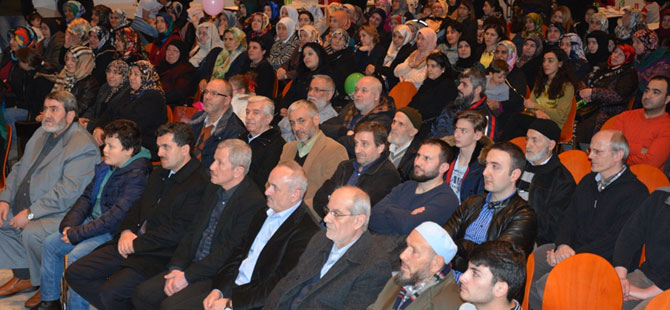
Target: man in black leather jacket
(499, 215)
(545, 183)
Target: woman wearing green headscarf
(222, 63)
(533, 25)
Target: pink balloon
(212, 7)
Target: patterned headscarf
(342, 19)
(148, 76)
(313, 33)
(23, 36)
(122, 17)
(77, 9)
(511, 52)
(648, 38)
(624, 32)
(537, 20)
(121, 67)
(130, 41)
(231, 20)
(80, 27)
(85, 63)
(102, 34)
(225, 57)
(576, 46)
(602, 20)
(627, 50)
(204, 49)
(265, 26)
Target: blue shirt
(334, 256)
(353, 178)
(270, 226)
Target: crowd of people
(299, 183)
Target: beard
(532, 158)
(426, 176)
(402, 281)
(464, 102)
(56, 127)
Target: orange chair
(651, 176)
(577, 162)
(6, 156)
(520, 142)
(286, 88)
(609, 123)
(631, 102)
(275, 87)
(530, 270)
(568, 130)
(583, 281)
(183, 114)
(527, 92)
(170, 119)
(660, 302)
(402, 94)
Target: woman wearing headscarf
(306, 34)
(438, 15)
(101, 44)
(314, 61)
(113, 92)
(533, 25)
(207, 40)
(650, 59)
(400, 48)
(54, 39)
(399, 7)
(222, 63)
(166, 33)
(100, 16)
(597, 51)
(452, 11)
(574, 48)
(77, 79)
(178, 76)
(145, 104)
(271, 9)
(598, 21)
(13, 78)
(224, 21)
(469, 52)
(413, 69)
(608, 90)
(529, 62)
(185, 29)
(515, 83)
(77, 33)
(438, 87)
(663, 30)
(377, 19)
(369, 53)
(118, 20)
(342, 60)
(290, 12)
(555, 32)
(258, 24)
(285, 43)
(71, 10)
(626, 25)
(127, 45)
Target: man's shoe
(15, 285)
(33, 300)
(48, 305)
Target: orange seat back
(660, 302)
(609, 123)
(582, 281)
(275, 87)
(170, 118)
(530, 270)
(577, 162)
(520, 142)
(5, 156)
(566, 131)
(183, 114)
(631, 103)
(402, 94)
(286, 88)
(651, 176)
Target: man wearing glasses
(216, 123)
(320, 92)
(340, 266)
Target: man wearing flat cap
(403, 143)
(425, 279)
(545, 183)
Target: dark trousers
(99, 278)
(516, 126)
(150, 295)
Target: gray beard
(463, 103)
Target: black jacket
(102, 105)
(232, 127)
(343, 63)
(549, 194)
(592, 222)
(277, 258)
(231, 227)
(265, 152)
(377, 181)
(86, 90)
(432, 96)
(168, 206)
(406, 165)
(514, 221)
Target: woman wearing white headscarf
(285, 44)
(401, 47)
(207, 39)
(290, 12)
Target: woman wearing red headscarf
(609, 89)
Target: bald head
(367, 94)
(216, 97)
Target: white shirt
(457, 178)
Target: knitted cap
(413, 115)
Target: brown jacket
(444, 295)
(320, 164)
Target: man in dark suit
(150, 231)
(276, 239)
(230, 204)
(340, 267)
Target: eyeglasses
(213, 93)
(336, 213)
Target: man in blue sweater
(424, 198)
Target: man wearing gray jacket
(57, 164)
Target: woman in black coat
(258, 68)
(437, 89)
(341, 60)
(115, 91)
(314, 61)
(178, 76)
(101, 43)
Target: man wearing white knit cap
(425, 280)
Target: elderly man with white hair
(425, 280)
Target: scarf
(265, 25)
(445, 8)
(381, 14)
(225, 57)
(408, 294)
(149, 79)
(122, 16)
(213, 41)
(576, 46)
(602, 53)
(130, 41)
(85, 63)
(342, 19)
(624, 32)
(81, 28)
(464, 63)
(290, 27)
(312, 33)
(77, 9)
(274, 10)
(122, 68)
(418, 57)
(103, 36)
(392, 51)
(183, 56)
(291, 12)
(538, 50)
(170, 25)
(511, 52)
(663, 33)
(650, 41)
(23, 36)
(537, 21)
